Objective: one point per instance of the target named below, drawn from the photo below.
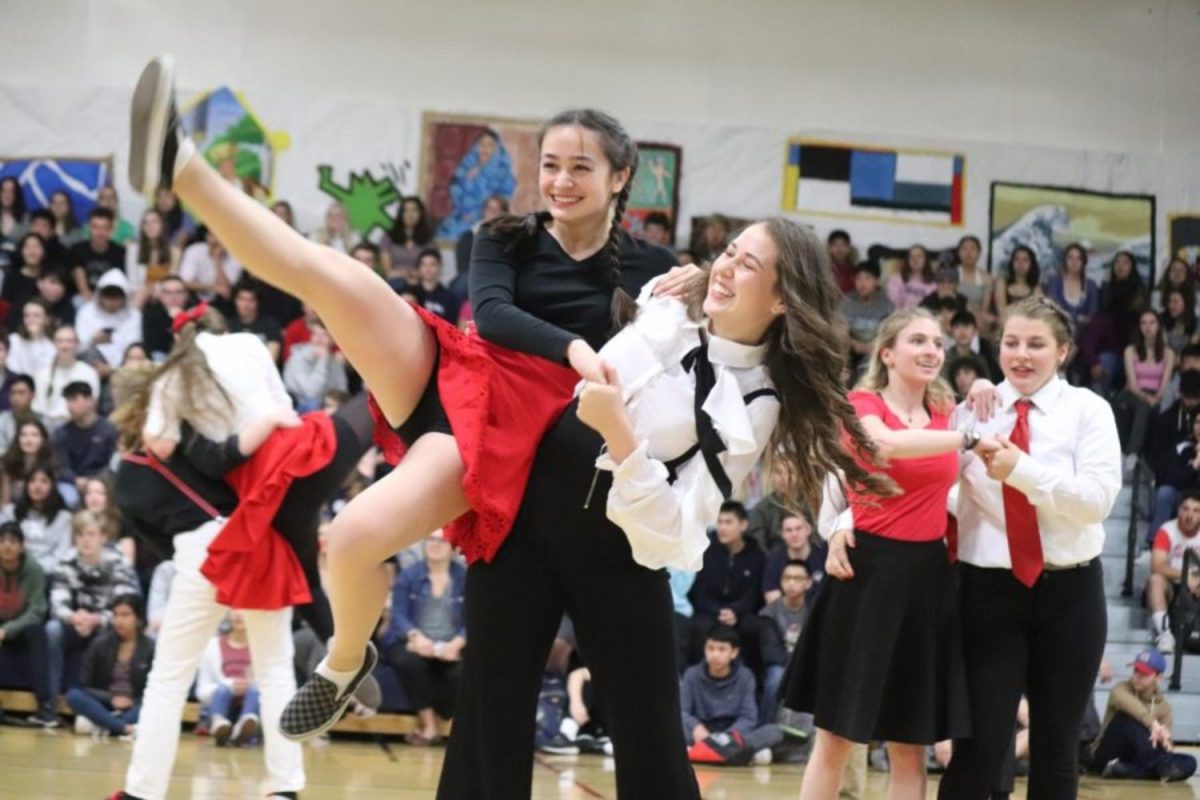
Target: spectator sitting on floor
(225, 685)
(87, 441)
(82, 590)
(1171, 542)
(582, 727)
(1137, 741)
(112, 678)
(728, 588)
(20, 409)
(797, 545)
(788, 611)
(427, 635)
(23, 614)
(720, 715)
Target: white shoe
(84, 726)
(762, 757)
(220, 729)
(1165, 642)
(245, 729)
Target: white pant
(189, 622)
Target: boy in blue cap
(1136, 739)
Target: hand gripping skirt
(498, 404)
(881, 656)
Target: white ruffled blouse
(667, 522)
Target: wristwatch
(970, 439)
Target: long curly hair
(200, 395)
(818, 430)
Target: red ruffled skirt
(499, 404)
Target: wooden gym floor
(40, 765)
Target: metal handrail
(1131, 544)
(1189, 556)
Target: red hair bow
(191, 315)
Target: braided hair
(621, 152)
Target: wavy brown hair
(818, 430)
(200, 396)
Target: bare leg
(823, 775)
(415, 499)
(380, 333)
(907, 778)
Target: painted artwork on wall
(866, 182)
(1048, 218)
(467, 159)
(371, 202)
(42, 176)
(1184, 230)
(234, 140)
(655, 188)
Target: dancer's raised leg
(379, 332)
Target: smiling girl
(1031, 585)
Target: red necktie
(1020, 517)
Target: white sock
(1158, 621)
(340, 679)
(569, 728)
(185, 152)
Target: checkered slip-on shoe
(154, 133)
(317, 705)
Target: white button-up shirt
(1071, 476)
(667, 523)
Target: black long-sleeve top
(536, 299)
(96, 669)
(156, 510)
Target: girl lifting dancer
(552, 297)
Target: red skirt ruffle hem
(499, 404)
(249, 562)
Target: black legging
(299, 515)
(561, 556)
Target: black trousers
(428, 682)
(561, 556)
(1044, 642)
(1128, 741)
(299, 515)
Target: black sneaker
(154, 133)
(46, 718)
(560, 745)
(317, 706)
